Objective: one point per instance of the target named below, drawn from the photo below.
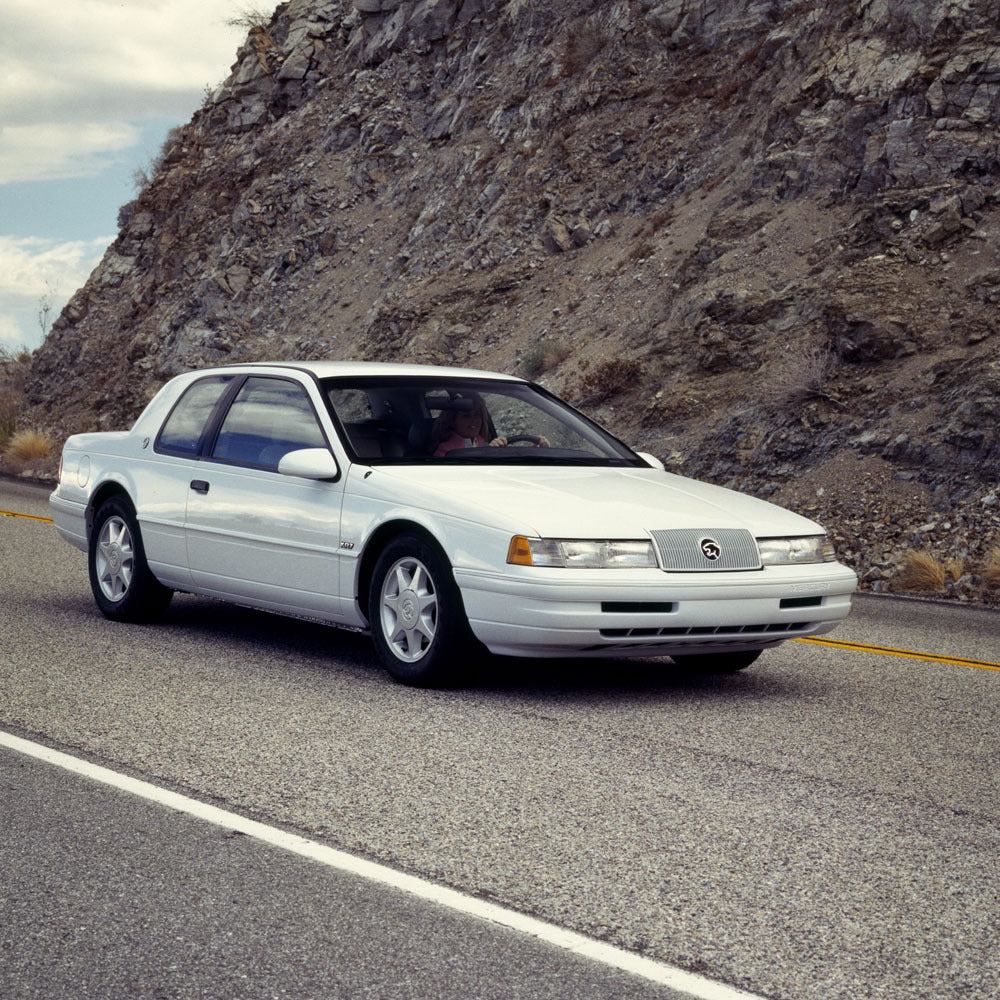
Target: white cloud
(30, 267)
(56, 151)
(77, 70)
(34, 272)
(11, 333)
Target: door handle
(199, 485)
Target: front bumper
(535, 612)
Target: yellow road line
(27, 517)
(859, 647)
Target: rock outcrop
(757, 237)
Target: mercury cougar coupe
(441, 510)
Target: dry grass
(921, 572)
(29, 446)
(991, 571)
(955, 568)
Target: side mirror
(309, 463)
(652, 460)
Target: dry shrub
(29, 446)
(609, 379)
(922, 572)
(582, 47)
(251, 17)
(543, 357)
(661, 219)
(514, 8)
(10, 403)
(725, 94)
(800, 374)
(14, 366)
(642, 251)
(991, 571)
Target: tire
(418, 622)
(718, 663)
(123, 584)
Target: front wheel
(416, 614)
(718, 663)
(123, 584)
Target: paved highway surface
(825, 825)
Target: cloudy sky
(88, 91)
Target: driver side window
(268, 418)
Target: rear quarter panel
(95, 466)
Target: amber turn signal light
(519, 553)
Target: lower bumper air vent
(705, 631)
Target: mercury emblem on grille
(710, 549)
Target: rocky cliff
(756, 237)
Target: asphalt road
(824, 825)
(108, 896)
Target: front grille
(684, 549)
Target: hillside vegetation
(758, 239)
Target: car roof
(157, 408)
(348, 369)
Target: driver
(466, 428)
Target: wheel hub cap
(409, 609)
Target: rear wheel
(416, 614)
(718, 663)
(123, 584)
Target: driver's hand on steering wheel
(501, 442)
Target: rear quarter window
(182, 430)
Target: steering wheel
(529, 438)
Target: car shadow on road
(622, 677)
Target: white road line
(646, 968)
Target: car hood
(560, 502)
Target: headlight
(581, 554)
(796, 551)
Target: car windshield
(425, 419)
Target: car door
(163, 483)
(253, 534)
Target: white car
(440, 509)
